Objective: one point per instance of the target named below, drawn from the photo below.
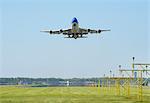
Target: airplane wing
(86, 31)
(67, 31)
(50, 31)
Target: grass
(20, 94)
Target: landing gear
(75, 36)
(69, 36)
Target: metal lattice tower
(141, 70)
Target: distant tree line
(40, 82)
(46, 81)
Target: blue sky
(26, 52)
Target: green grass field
(14, 94)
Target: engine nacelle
(50, 32)
(99, 31)
(61, 30)
(89, 30)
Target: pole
(133, 67)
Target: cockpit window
(74, 24)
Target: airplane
(75, 32)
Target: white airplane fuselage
(75, 30)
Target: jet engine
(61, 30)
(50, 32)
(99, 31)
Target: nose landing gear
(75, 36)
